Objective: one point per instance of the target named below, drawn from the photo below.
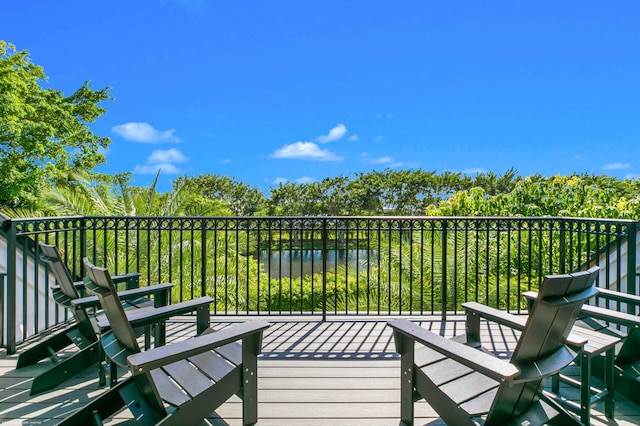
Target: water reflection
(296, 263)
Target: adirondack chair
(467, 386)
(177, 384)
(69, 295)
(624, 312)
(617, 314)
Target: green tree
(293, 199)
(242, 199)
(82, 194)
(569, 196)
(493, 184)
(43, 134)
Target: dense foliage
(44, 135)
(566, 196)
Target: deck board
(341, 372)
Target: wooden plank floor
(341, 372)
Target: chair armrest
(155, 290)
(605, 314)
(609, 315)
(479, 361)
(629, 299)
(131, 279)
(148, 360)
(517, 322)
(79, 285)
(86, 302)
(158, 315)
(530, 296)
(93, 302)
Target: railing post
(632, 287)
(83, 243)
(11, 289)
(563, 246)
(324, 269)
(443, 287)
(203, 263)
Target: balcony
(328, 357)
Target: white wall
(28, 299)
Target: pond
(297, 263)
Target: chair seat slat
(446, 370)
(481, 404)
(469, 386)
(232, 352)
(425, 356)
(187, 376)
(169, 391)
(212, 364)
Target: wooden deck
(341, 372)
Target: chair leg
(406, 347)
(250, 386)
(203, 319)
(555, 383)
(160, 333)
(406, 391)
(65, 369)
(608, 383)
(113, 374)
(102, 367)
(585, 389)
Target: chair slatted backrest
(543, 339)
(51, 256)
(110, 301)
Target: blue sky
(271, 91)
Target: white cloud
(381, 160)
(305, 179)
(353, 138)
(280, 180)
(474, 171)
(616, 166)
(386, 160)
(305, 151)
(334, 134)
(300, 181)
(167, 156)
(144, 132)
(152, 169)
(163, 160)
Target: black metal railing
(317, 265)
